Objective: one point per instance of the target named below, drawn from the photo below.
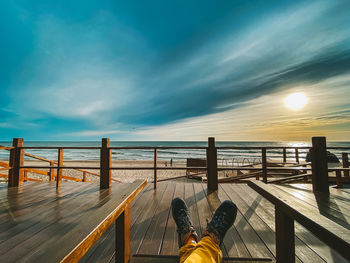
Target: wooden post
(155, 169)
(338, 179)
(264, 165)
(296, 155)
(59, 168)
(84, 176)
(122, 233)
(212, 165)
(284, 155)
(105, 165)
(15, 174)
(52, 172)
(319, 165)
(25, 176)
(345, 161)
(285, 244)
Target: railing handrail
(46, 160)
(260, 147)
(169, 147)
(211, 149)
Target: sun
(295, 101)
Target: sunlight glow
(295, 101)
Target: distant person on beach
(165, 164)
(208, 248)
(171, 162)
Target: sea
(225, 157)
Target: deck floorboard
(305, 241)
(153, 229)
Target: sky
(174, 70)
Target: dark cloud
(177, 103)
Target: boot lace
(218, 225)
(183, 221)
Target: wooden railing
(17, 156)
(17, 169)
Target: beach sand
(121, 175)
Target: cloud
(77, 72)
(95, 133)
(266, 118)
(262, 59)
(102, 66)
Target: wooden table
(327, 216)
(39, 223)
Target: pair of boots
(222, 220)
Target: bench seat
(315, 213)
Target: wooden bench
(192, 171)
(43, 224)
(316, 212)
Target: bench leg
(122, 241)
(285, 244)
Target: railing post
(264, 165)
(285, 244)
(296, 155)
(122, 237)
(345, 161)
(212, 165)
(15, 175)
(284, 155)
(105, 165)
(319, 165)
(84, 176)
(25, 176)
(155, 169)
(338, 179)
(59, 167)
(52, 172)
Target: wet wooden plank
(140, 226)
(336, 200)
(266, 211)
(34, 218)
(104, 249)
(341, 194)
(305, 240)
(266, 234)
(346, 190)
(45, 220)
(214, 203)
(152, 241)
(326, 205)
(251, 239)
(308, 216)
(20, 198)
(204, 211)
(192, 207)
(70, 226)
(170, 241)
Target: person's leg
(187, 235)
(208, 249)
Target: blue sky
(173, 70)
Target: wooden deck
(39, 223)
(153, 229)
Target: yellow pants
(205, 251)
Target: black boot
(222, 220)
(183, 221)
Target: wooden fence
(319, 169)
